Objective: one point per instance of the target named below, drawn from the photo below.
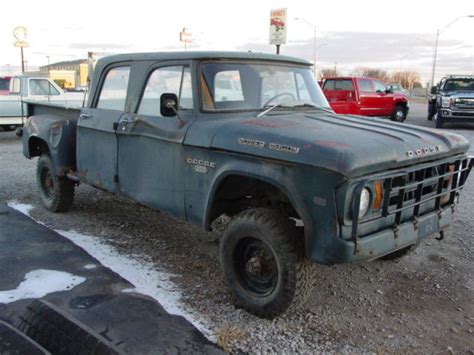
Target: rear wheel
(56, 192)
(262, 257)
(399, 114)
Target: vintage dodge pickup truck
(300, 183)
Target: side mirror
(389, 90)
(434, 89)
(168, 105)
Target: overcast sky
(390, 35)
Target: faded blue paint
(150, 159)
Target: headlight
(445, 100)
(364, 202)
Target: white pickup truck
(30, 88)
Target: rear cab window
(113, 93)
(339, 84)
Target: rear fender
(52, 135)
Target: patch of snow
(21, 207)
(39, 283)
(90, 266)
(141, 274)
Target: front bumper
(453, 115)
(387, 241)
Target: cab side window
(379, 86)
(365, 85)
(175, 80)
(42, 87)
(114, 90)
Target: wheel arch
(37, 146)
(225, 181)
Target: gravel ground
(422, 303)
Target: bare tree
(371, 73)
(328, 73)
(407, 79)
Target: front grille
(464, 104)
(464, 114)
(406, 191)
(438, 183)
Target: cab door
(96, 130)
(151, 159)
(384, 101)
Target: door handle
(127, 119)
(85, 116)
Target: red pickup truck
(366, 97)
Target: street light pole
(435, 52)
(314, 41)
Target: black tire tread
(393, 116)
(65, 194)
(59, 333)
(285, 237)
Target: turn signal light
(378, 195)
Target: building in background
(68, 74)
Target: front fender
(53, 135)
(310, 190)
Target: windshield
(459, 85)
(244, 86)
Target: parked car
(366, 97)
(5, 85)
(300, 183)
(398, 88)
(452, 100)
(26, 87)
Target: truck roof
(457, 77)
(349, 78)
(187, 55)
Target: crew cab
(452, 100)
(365, 96)
(300, 183)
(27, 87)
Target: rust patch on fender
(332, 144)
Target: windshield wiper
(328, 110)
(263, 113)
(271, 108)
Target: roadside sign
(185, 36)
(278, 26)
(21, 44)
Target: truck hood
(350, 145)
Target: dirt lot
(422, 303)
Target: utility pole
(435, 52)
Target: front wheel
(56, 192)
(399, 114)
(438, 120)
(263, 263)
(8, 128)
